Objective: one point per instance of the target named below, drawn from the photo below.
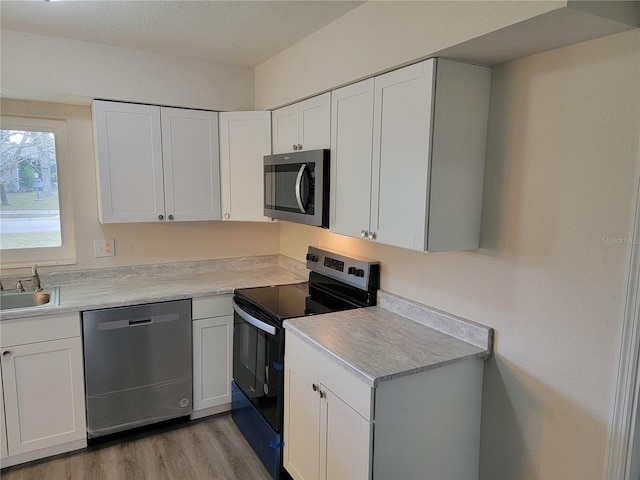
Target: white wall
(138, 243)
(561, 163)
(379, 35)
(73, 71)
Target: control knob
(311, 257)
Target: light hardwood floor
(207, 449)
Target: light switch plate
(104, 247)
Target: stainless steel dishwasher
(138, 365)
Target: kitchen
(543, 278)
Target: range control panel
(359, 272)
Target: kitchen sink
(23, 300)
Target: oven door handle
(299, 188)
(265, 327)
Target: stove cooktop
(337, 282)
(289, 301)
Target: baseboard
(206, 412)
(43, 453)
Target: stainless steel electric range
(336, 282)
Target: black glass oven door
(258, 361)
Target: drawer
(331, 372)
(214, 306)
(20, 331)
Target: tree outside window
(36, 211)
(30, 211)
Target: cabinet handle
(295, 147)
(299, 146)
(371, 236)
(160, 217)
(170, 217)
(227, 216)
(314, 387)
(6, 354)
(364, 234)
(322, 394)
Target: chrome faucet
(35, 279)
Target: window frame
(66, 253)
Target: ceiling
(238, 32)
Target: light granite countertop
(377, 344)
(122, 286)
(397, 338)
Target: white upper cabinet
(423, 133)
(245, 138)
(191, 164)
(351, 153)
(129, 162)
(304, 125)
(156, 163)
(401, 127)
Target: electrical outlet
(104, 247)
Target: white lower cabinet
(346, 440)
(425, 425)
(324, 436)
(3, 433)
(301, 423)
(212, 354)
(43, 388)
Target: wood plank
(210, 448)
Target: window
(35, 216)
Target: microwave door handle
(299, 188)
(265, 327)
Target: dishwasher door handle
(141, 321)
(136, 322)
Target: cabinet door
(245, 138)
(129, 162)
(191, 164)
(351, 154)
(304, 125)
(285, 129)
(345, 441)
(212, 343)
(3, 425)
(44, 394)
(314, 123)
(401, 149)
(301, 424)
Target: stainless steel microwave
(296, 187)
